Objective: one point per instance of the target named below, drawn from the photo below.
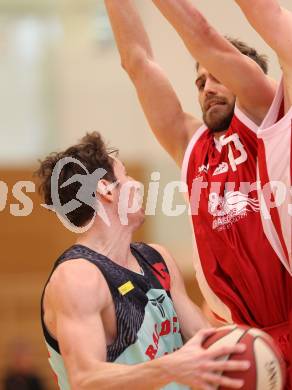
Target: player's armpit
(78, 293)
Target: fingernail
(247, 365)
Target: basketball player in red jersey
(238, 270)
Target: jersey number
(239, 146)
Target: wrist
(168, 367)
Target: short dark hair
(93, 154)
(260, 59)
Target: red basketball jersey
(238, 271)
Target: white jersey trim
(188, 152)
(57, 364)
(270, 125)
(245, 119)
(216, 305)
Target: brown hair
(93, 154)
(260, 59)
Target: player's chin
(217, 113)
(218, 119)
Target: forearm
(131, 37)
(201, 320)
(237, 72)
(262, 10)
(263, 15)
(198, 35)
(152, 375)
(191, 319)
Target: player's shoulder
(166, 256)
(243, 121)
(252, 118)
(77, 279)
(161, 253)
(195, 142)
(79, 270)
(159, 248)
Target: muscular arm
(78, 294)
(237, 72)
(190, 316)
(171, 125)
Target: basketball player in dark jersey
(223, 155)
(115, 313)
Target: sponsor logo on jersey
(203, 169)
(126, 288)
(227, 210)
(161, 273)
(222, 168)
(158, 302)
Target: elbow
(89, 382)
(134, 63)
(79, 382)
(207, 33)
(80, 385)
(197, 28)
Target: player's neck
(111, 241)
(219, 134)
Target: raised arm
(171, 125)
(237, 72)
(273, 23)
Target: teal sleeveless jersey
(147, 324)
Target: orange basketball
(267, 371)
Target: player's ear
(104, 190)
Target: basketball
(267, 371)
